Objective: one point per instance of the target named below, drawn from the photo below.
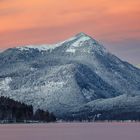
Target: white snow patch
(88, 94)
(80, 41)
(33, 69)
(71, 50)
(54, 85)
(4, 84)
(45, 47)
(77, 44)
(39, 47)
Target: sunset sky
(115, 23)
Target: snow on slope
(72, 73)
(46, 47)
(122, 107)
(4, 84)
(78, 43)
(39, 47)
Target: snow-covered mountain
(68, 77)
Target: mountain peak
(80, 41)
(81, 34)
(78, 37)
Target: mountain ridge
(71, 74)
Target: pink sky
(115, 23)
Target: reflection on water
(71, 131)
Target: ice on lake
(71, 131)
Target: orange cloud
(48, 21)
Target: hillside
(73, 76)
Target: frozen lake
(71, 131)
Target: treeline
(14, 111)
